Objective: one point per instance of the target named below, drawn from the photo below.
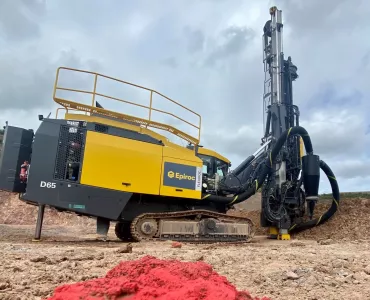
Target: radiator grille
(69, 154)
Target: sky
(206, 55)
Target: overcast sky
(206, 54)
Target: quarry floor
(331, 261)
(296, 269)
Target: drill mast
(279, 74)
(272, 57)
(281, 115)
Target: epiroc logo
(180, 176)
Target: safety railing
(92, 109)
(66, 109)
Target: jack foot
(40, 219)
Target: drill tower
(279, 196)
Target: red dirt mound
(152, 278)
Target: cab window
(207, 163)
(221, 167)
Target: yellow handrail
(68, 104)
(64, 108)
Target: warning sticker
(198, 180)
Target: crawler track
(191, 216)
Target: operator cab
(215, 166)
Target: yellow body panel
(110, 161)
(113, 162)
(179, 151)
(174, 151)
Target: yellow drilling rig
(115, 167)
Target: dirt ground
(331, 261)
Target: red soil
(152, 278)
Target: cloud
(239, 142)
(337, 134)
(206, 55)
(19, 19)
(27, 82)
(195, 40)
(231, 42)
(353, 168)
(318, 19)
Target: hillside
(15, 212)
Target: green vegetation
(347, 195)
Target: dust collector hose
(330, 212)
(266, 167)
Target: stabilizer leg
(276, 234)
(102, 227)
(273, 233)
(40, 219)
(283, 235)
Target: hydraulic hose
(243, 165)
(266, 167)
(268, 123)
(330, 212)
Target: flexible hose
(266, 167)
(330, 212)
(268, 123)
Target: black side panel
(121, 132)
(57, 144)
(82, 199)
(16, 148)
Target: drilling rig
(114, 167)
(289, 180)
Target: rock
(49, 261)
(17, 269)
(337, 263)
(326, 242)
(125, 249)
(343, 273)
(360, 276)
(311, 281)
(367, 270)
(176, 245)
(4, 285)
(297, 244)
(291, 275)
(340, 279)
(100, 256)
(322, 269)
(38, 259)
